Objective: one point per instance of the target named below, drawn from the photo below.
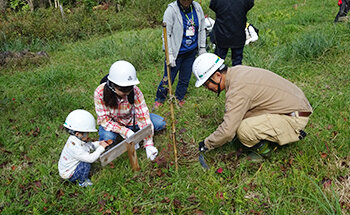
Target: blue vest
(189, 43)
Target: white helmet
(123, 74)
(204, 66)
(80, 120)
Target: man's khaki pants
(278, 128)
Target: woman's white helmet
(204, 66)
(80, 120)
(123, 74)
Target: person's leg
(133, 129)
(343, 10)
(117, 138)
(221, 52)
(106, 135)
(162, 90)
(237, 56)
(277, 128)
(81, 173)
(158, 122)
(185, 75)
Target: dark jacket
(231, 18)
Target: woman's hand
(151, 152)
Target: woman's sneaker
(181, 103)
(156, 105)
(86, 183)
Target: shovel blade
(202, 161)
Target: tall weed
(308, 47)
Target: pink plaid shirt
(115, 119)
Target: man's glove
(171, 62)
(202, 51)
(202, 147)
(151, 152)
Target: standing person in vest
(185, 25)
(121, 108)
(229, 27)
(261, 108)
(344, 7)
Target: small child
(75, 161)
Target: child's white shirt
(74, 152)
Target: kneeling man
(261, 107)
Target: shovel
(202, 161)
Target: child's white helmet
(80, 120)
(123, 74)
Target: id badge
(190, 31)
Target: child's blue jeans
(81, 173)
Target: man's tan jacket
(252, 92)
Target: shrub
(47, 25)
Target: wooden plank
(119, 149)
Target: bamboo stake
(170, 93)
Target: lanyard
(190, 20)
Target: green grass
(307, 177)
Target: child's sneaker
(86, 183)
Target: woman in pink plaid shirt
(121, 108)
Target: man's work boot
(260, 151)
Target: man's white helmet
(80, 120)
(123, 74)
(204, 66)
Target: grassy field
(297, 41)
